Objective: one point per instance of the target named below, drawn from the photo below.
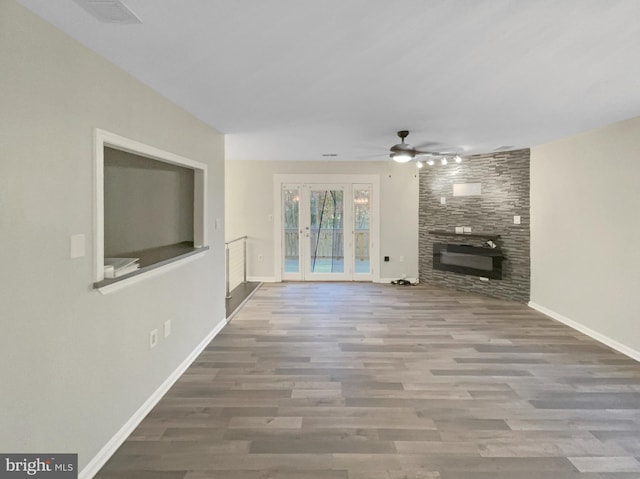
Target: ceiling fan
(404, 152)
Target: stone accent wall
(504, 177)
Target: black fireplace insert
(466, 259)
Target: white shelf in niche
(130, 223)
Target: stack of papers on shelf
(116, 267)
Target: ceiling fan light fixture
(401, 157)
(431, 162)
(443, 161)
(419, 164)
(458, 159)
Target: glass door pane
(326, 231)
(361, 202)
(291, 226)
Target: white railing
(236, 263)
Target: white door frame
(373, 180)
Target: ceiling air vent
(109, 11)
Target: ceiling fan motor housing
(403, 149)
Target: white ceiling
(293, 79)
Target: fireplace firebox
(466, 259)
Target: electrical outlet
(153, 338)
(401, 259)
(167, 328)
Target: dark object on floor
(402, 282)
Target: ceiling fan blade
(445, 150)
(427, 145)
(428, 153)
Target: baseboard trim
(99, 460)
(612, 343)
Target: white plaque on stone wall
(467, 189)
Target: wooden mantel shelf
(472, 235)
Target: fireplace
(465, 259)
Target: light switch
(467, 229)
(77, 246)
(516, 220)
(459, 229)
(443, 200)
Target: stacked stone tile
(504, 177)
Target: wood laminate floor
(371, 381)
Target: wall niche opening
(148, 204)
(150, 208)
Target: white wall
(249, 202)
(76, 364)
(585, 233)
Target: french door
(326, 232)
